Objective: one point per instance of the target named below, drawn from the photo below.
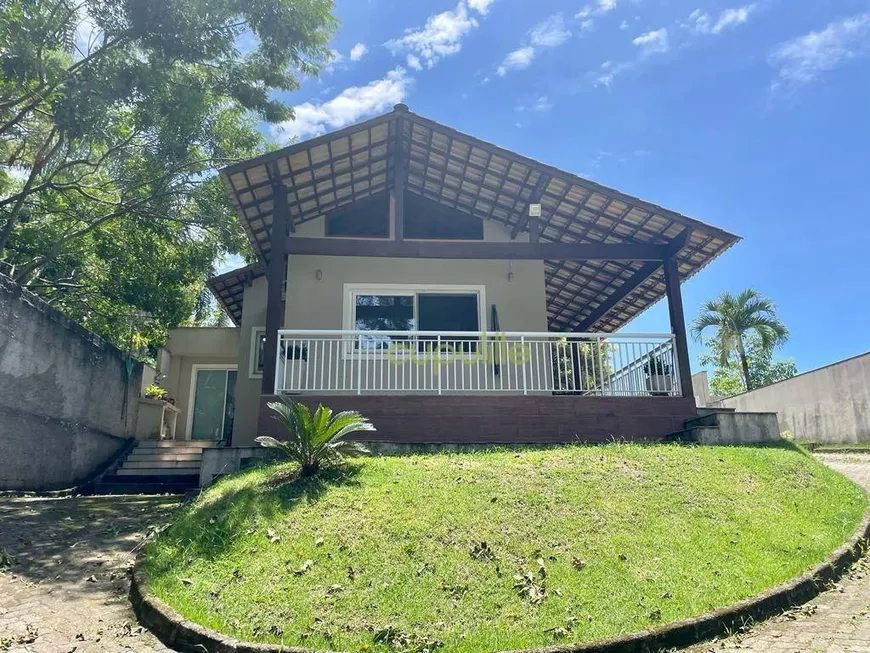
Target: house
(449, 289)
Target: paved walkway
(66, 590)
(837, 621)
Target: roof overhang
(486, 181)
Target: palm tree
(316, 441)
(734, 317)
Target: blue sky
(750, 116)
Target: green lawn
(500, 549)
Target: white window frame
(352, 290)
(252, 361)
(194, 368)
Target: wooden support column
(275, 276)
(400, 180)
(678, 324)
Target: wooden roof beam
(476, 250)
(535, 198)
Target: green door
(214, 404)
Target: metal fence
(427, 362)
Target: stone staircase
(726, 426)
(156, 467)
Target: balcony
(476, 363)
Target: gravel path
(65, 588)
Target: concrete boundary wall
(829, 405)
(68, 399)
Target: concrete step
(710, 419)
(146, 485)
(699, 434)
(169, 454)
(161, 464)
(171, 444)
(158, 471)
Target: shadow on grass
(460, 449)
(209, 527)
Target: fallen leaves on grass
(482, 551)
(402, 642)
(308, 564)
(528, 587)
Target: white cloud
(414, 62)
(653, 42)
(650, 44)
(599, 8)
(609, 72)
(732, 18)
(337, 61)
(358, 51)
(624, 25)
(440, 37)
(701, 22)
(519, 59)
(540, 105)
(801, 60)
(481, 6)
(349, 106)
(550, 32)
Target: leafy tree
(114, 115)
(727, 379)
(735, 317)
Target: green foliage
(581, 364)
(657, 366)
(734, 317)
(727, 379)
(114, 115)
(316, 441)
(401, 551)
(155, 391)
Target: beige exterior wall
(319, 304)
(248, 387)
(314, 303)
(195, 346)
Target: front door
(214, 403)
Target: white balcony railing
(425, 362)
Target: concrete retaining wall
(67, 400)
(830, 404)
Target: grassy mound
(498, 550)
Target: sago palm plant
(316, 441)
(734, 317)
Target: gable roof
(229, 288)
(491, 183)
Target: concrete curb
(177, 632)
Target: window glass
(259, 350)
(383, 313)
(446, 313)
(363, 219)
(429, 220)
